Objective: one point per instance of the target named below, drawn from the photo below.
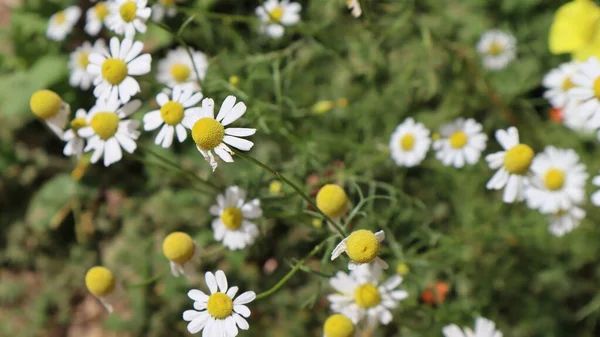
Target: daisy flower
(49, 107)
(210, 134)
(462, 143)
(74, 146)
(108, 130)
(587, 91)
(177, 68)
(220, 313)
(513, 165)
(558, 181)
(96, 16)
(179, 249)
(233, 226)
(171, 113)
(164, 8)
(564, 221)
(409, 143)
(362, 247)
(128, 16)
(483, 328)
(62, 23)
(101, 283)
(275, 15)
(333, 201)
(113, 69)
(78, 62)
(558, 82)
(339, 326)
(497, 48)
(360, 295)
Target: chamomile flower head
(333, 201)
(462, 143)
(78, 62)
(164, 8)
(171, 114)
(219, 313)
(409, 143)
(586, 91)
(276, 14)
(49, 107)
(179, 249)
(128, 16)
(177, 68)
(483, 328)
(108, 130)
(338, 325)
(209, 133)
(233, 225)
(62, 23)
(558, 181)
(362, 247)
(75, 143)
(513, 165)
(96, 17)
(497, 48)
(558, 82)
(101, 283)
(564, 221)
(361, 295)
(114, 69)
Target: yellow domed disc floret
(367, 296)
(554, 179)
(172, 113)
(128, 11)
(178, 247)
(208, 133)
(276, 14)
(362, 246)
(60, 17)
(100, 281)
(407, 142)
(332, 200)
(105, 124)
(180, 72)
(220, 306)
(114, 70)
(83, 59)
(78, 123)
(495, 49)
(458, 139)
(101, 10)
(338, 326)
(518, 159)
(232, 218)
(45, 104)
(402, 269)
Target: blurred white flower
(564, 221)
(62, 23)
(75, 143)
(586, 90)
(497, 49)
(409, 143)
(354, 7)
(275, 15)
(178, 69)
(96, 16)
(462, 143)
(164, 8)
(483, 328)
(558, 82)
(78, 62)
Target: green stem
(148, 281)
(296, 188)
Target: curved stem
(148, 281)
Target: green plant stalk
(148, 281)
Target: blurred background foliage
(402, 58)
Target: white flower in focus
(497, 48)
(62, 23)
(171, 114)
(178, 69)
(128, 16)
(558, 82)
(114, 69)
(108, 130)
(564, 221)
(232, 226)
(558, 181)
(462, 143)
(209, 133)
(78, 62)
(164, 8)
(75, 143)
(362, 247)
(220, 313)
(513, 166)
(275, 15)
(409, 143)
(483, 328)
(96, 16)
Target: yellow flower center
(100, 281)
(60, 18)
(180, 72)
(105, 124)
(83, 59)
(232, 218)
(458, 139)
(178, 247)
(114, 70)
(554, 179)
(402, 269)
(367, 296)
(78, 123)
(234, 80)
(407, 142)
(220, 306)
(275, 187)
(338, 326)
(276, 14)
(45, 104)
(362, 246)
(332, 200)
(495, 49)
(597, 87)
(101, 10)
(172, 113)
(568, 84)
(208, 133)
(518, 159)
(128, 11)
